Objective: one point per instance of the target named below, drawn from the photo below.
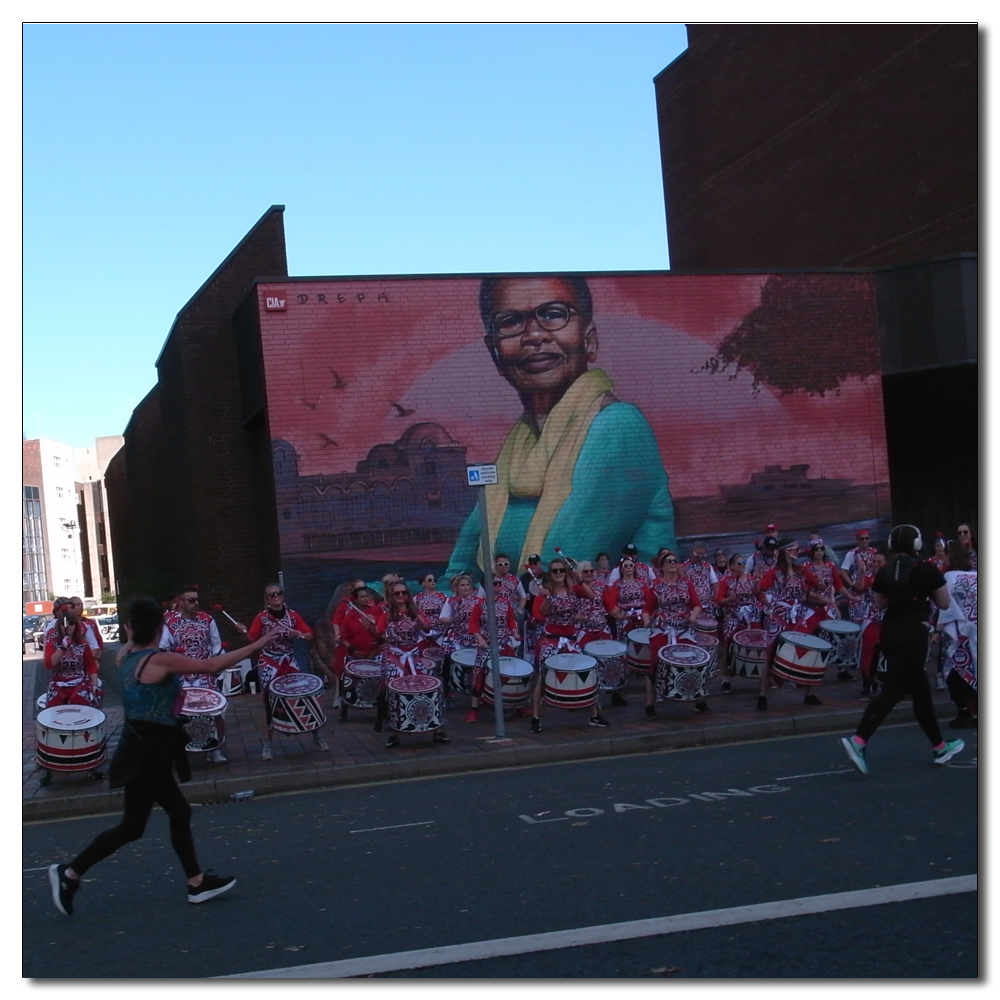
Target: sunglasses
(965, 531)
(400, 593)
(670, 560)
(191, 600)
(557, 571)
(270, 593)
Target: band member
(858, 561)
(341, 603)
(193, 633)
(509, 585)
(739, 605)
(74, 604)
(765, 552)
(643, 571)
(969, 542)
(594, 621)
(940, 558)
(532, 575)
(627, 599)
(429, 602)
(602, 568)
(360, 637)
(279, 657)
(674, 609)
(720, 563)
(387, 581)
(559, 606)
(508, 640)
(405, 631)
(866, 613)
(457, 614)
(324, 653)
(959, 626)
(699, 572)
(903, 588)
(150, 748)
(784, 590)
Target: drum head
(706, 622)
(840, 626)
(685, 655)
(363, 668)
(573, 662)
(511, 666)
(805, 641)
(71, 717)
(435, 653)
(465, 657)
(639, 636)
(203, 701)
(296, 685)
(414, 684)
(755, 637)
(605, 648)
(704, 639)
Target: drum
(360, 684)
(801, 658)
(570, 680)
(433, 661)
(295, 703)
(748, 652)
(70, 738)
(41, 700)
(711, 644)
(612, 672)
(515, 681)
(231, 681)
(638, 657)
(845, 637)
(415, 704)
(682, 671)
(201, 709)
(463, 669)
(706, 623)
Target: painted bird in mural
(327, 441)
(401, 411)
(312, 405)
(338, 382)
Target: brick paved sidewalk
(357, 754)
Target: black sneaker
(211, 886)
(617, 699)
(45, 778)
(599, 721)
(650, 711)
(536, 725)
(63, 889)
(726, 687)
(701, 707)
(761, 703)
(811, 699)
(392, 741)
(440, 737)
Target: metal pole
(491, 616)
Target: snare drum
(570, 680)
(748, 652)
(706, 624)
(682, 671)
(638, 656)
(295, 703)
(845, 637)
(433, 661)
(70, 738)
(231, 680)
(359, 687)
(611, 670)
(711, 644)
(415, 704)
(801, 658)
(515, 682)
(463, 670)
(201, 709)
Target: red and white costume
(509, 586)
(673, 602)
(631, 596)
(561, 618)
(783, 596)
(869, 617)
(93, 634)
(859, 562)
(197, 637)
(595, 624)
(430, 604)
(405, 638)
(959, 626)
(744, 612)
(643, 571)
(357, 641)
(456, 616)
(507, 633)
(279, 657)
(69, 680)
(825, 579)
(702, 574)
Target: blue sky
(149, 150)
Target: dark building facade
(846, 146)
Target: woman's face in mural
(538, 359)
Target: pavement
(358, 755)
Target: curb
(321, 776)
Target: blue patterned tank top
(148, 702)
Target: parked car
(33, 632)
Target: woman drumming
(286, 626)
(151, 746)
(429, 602)
(457, 614)
(740, 607)
(559, 606)
(825, 584)
(968, 540)
(675, 607)
(602, 570)
(784, 590)
(71, 663)
(959, 626)
(508, 639)
(627, 599)
(940, 557)
(360, 637)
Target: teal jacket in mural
(620, 495)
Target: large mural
(655, 409)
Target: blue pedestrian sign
(481, 475)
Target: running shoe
(949, 750)
(63, 889)
(210, 887)
(855, 753)
(599, 721)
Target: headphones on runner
(906, 538)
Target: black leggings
(140, 795)
(905, 651)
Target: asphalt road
(348, 873)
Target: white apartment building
(98, 559)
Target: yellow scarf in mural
(542, 465)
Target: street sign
(481, 475)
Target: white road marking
(602, 933)
(44, 868)
(398, 826)
(816, 774)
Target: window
(60, 493)
(57, 461)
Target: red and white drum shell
(638, 656)
(41, 700)
(70, 738)
(201, 710)
(748, 652)
(801, 658)
(415, 704)
(845, 637)
(515, 681)
(612, 672)
(570, 680)
(711, 644)
(360, 685)
(707, 624)
(231, 680)
(463, 670)
(682, 671)
(432, 662)
(296, 705)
